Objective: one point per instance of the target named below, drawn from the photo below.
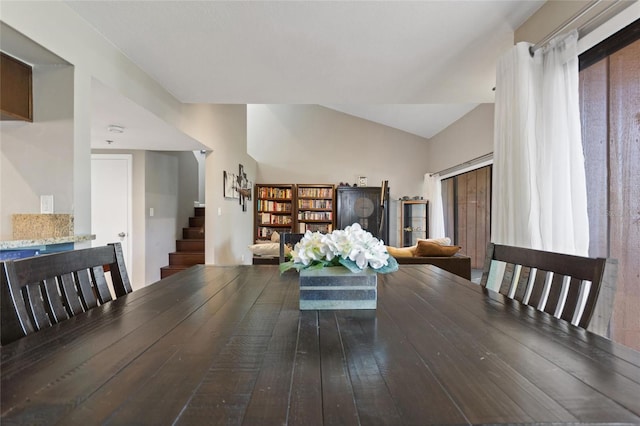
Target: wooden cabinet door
(364, 205)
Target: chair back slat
(522, 284)
(52, 295)
(507, 278)
(563, 285)
(87, 292)
(554, 300)
(40, 291)
(37, 311)
(537, 288)
(571, 304)
(71, 294)
(101, 286)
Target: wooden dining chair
(574, 288)
(40, 291)
(288, 239)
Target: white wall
(313, 144)
(468, 138)
(223, 128)
(37, 158)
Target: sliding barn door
(466, 200)
(610, 111)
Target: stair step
(186, 258)
(190, 245)
(191, 233)
(196, 222)
(199, 211)
(166, 271)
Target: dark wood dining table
(228, 345)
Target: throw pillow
(269, 249)
(401, 251)
(446, 241)
(430, 249)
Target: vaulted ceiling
(414, 65)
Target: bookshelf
(274, 210)
(315, 204)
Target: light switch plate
(46, 204)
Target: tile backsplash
(36, 226)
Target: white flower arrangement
(354, 248)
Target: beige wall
(60, 30)
(313, 144)
(228, 230)
(161, 194)
(93, 57)
(546, 19)
(37, 158)
(468, 138)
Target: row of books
(271, 192)
(273, 206)
(315, 192)
(315, 227)
(273, 219)
(315, 204)
(315, 215)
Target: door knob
(122, 235)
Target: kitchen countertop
(17, 244)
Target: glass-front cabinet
(414, 223)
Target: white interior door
(111, 202)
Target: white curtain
(539, 183)
(433, 193)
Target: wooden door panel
(594, 102)
(624, 189)
(467, 208)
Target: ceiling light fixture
(112, 128)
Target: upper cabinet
(366, 205)
(16, 101)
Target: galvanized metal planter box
(338, 288)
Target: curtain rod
(615, 7)
(461, 166)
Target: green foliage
(392, 265)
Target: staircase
(190, 249)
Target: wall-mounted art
(229, 189)
(243, 187)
